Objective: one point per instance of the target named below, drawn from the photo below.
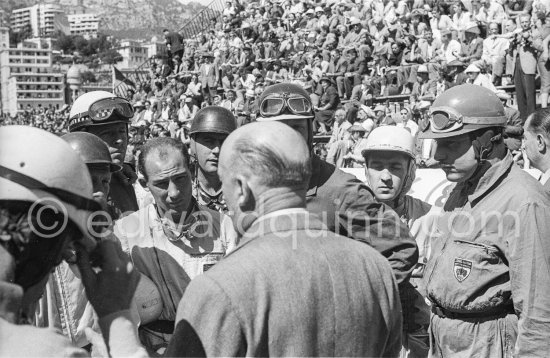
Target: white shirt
(451, 51)
(411, 125)
(494, 48)
(483, 80)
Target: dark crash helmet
(464, 109)
(91, 148)
(213, 119)
(284, 101)
(97, 108)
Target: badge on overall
(462, 269)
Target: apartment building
(40, 19)
(27, 79)
(86, 25)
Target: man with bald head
(291, 287)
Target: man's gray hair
(263, 161)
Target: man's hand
(112, 287)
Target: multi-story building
(86, 25)
(27, 80)
(4, 37)
(133, 54)
(40, 19)
(156, 48)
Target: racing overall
(171, 258)
(488, 277)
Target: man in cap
(107, 116)
(345, 201)
(311, 21)
(489, 278)
(456, 74)
(208, 132)
(537, 143)
(209, 77)
(477, 78)
(46, 199)
(356, 35)
(473, 48)
(246, 304)
(390, 171)
(423, 85)
(174, 239)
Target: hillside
(129, 18)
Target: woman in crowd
(440, 21)
(194, 90)
(462, 19)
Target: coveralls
(489, 275)
(171, 259)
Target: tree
(88, 76)
(110, 57)
(17, 37)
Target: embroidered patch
(462, 269)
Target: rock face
(142, 17)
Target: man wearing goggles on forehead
(348, 204)
(489, 277)
(107, 116)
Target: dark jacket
(351, 210)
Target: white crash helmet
(393, 139)
(390, 138)
(39, 167)
(97, 108)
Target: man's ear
(541, 143)
(245, 196)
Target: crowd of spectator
(347, 55)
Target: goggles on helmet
(104, 108)
(445, 119)
(296, 104)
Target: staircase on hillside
(201, 21)
(192, 28)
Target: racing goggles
(295, 104)
(104, 108)
(445, 119)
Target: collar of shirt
(544, 177)
(491, 176)
(175, 231)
